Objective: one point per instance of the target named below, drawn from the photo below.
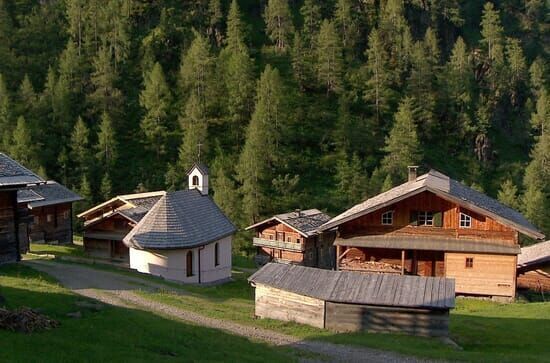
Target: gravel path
(118, 289)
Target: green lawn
(57, 250)
(112, 334)
(487, 331)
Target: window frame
(385, 214)
(195, 180)
(189, 263)
(216, 254)
(469, 262)
(423, 214)
(462, 222)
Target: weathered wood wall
(51, 223)
(537, 278)
(482, 227)
(8, 240)
(282, 305)
(351, 317)
(110, 247)
(489, 275)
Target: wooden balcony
(290, 246)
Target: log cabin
(13, 220)
(185, 236)
(106, 224)
(345, 301)
(50, 206)
(433, 225)
(293, 238)
(534, 267)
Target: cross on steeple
(199, 154)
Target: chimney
(298, 212)
(412, 172)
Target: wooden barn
(51, 207)
(13, 219)
(433, 225)
(534, 267)
(106, 224)
(345, 301)
(293, 238)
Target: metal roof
(14, 174)
(359, 288)
(46, 194)
(181, 219)
(428, 243)
(446, 188)
(306, 222)
(534, 254)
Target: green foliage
(351, 187)
(508, 194)
(107, 148)
(22, 148)
(279, 24)
(106, 189)
(329, 58)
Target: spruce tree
(105, 97)
(22, 148)
(155, 98)
(491, 32)
(85, 191)
(106, 188)
(278, 21)
(195, 131)
(536, 199)
(351, 181)
(311, 15)
(536, 207)
(259, 155)
(508, 194)
(196, 71)
(215, 17)
(225, 191)
(540, 119)
(537, 72)
(27, 101)
(235, 28)
(329, 58)
(402, 145)
(5, 114)
(71, 68)
(300, 59)
(79, 151)
(107, 146)
(7, 29)
(76, 16)
(346, 23)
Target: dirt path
(118, 289)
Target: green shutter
(438, 219)
(413, 218)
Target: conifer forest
(291, 103)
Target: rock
(76, 315)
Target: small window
(465, 221)
(469, 262)
(271, 237)
(289, 239)
(66, 214)
(189, 263)
(195, 180)
(425, 218)
(298, 240)
(49, 218)
(216, 254)
(387, 218)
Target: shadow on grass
(112, 333)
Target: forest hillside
(292, 104)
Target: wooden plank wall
(8, 244)
(350, 318)
(482, 227)
(490, 274)
(59, 228)
(277, 304)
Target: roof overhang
(131, 242)
(276, 219)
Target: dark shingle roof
(134, 214)
(441, 185)
(305, 222)
(49, 193)
(145, 202)
(182, 219)
(12, 173)
(202, 168)
(359, 288)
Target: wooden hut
(534, 267)
(50, 206)
(433, 225)
(293, 238)
(346, 301)
(13, 220)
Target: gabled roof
(14, 174)
(46, 194)
(534, 254)
(359, 288)
(182, 219)
(448, 189)
(305, 222)
(202, 168)
(145, 200)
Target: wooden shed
(345, 301)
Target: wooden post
(402, 262)
(338, 250)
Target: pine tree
(311, 14)
(402, 145)
(27, 101)
(215, 17)
(388, 183)
(536, 199)
(517, 70)
(22, 148)
(278, 21)
(106, 188)
(235, 28)
(76, 15)
(508, 194)
(85, 191)
(378, 92)
(71, 68)
(396, 35)
(301, 65)
(7, 55)
(5, 115)
(537, 72)
(491, 32)
(254, 169)
(196, 70)
(225, 191)
(351, 182)
(107, 146)
(195, 128)
(105, 97)
(156, 100)
(535, 208)
(329, 58)
(79, 151)
(540, 119)
(346, 23)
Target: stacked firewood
(357, 263)
(25, 320)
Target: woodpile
(25, 320)
(371, 266)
